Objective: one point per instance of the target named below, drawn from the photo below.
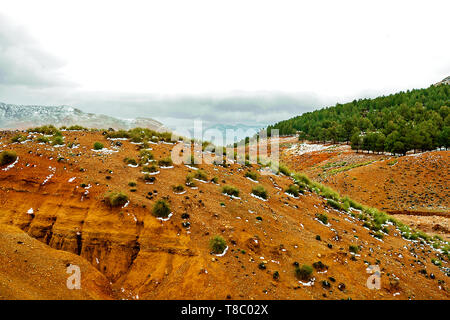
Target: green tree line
(417, 119)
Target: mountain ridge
(14, 116)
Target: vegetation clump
(412, 120)
(353, 249)
(252, 175)
(57, 140)
(98, 146)
(18, 138)
(161, 209)
(230, 191)
(201, 175)
(217, 244)
(150, 169)
(259, 191)
(178, 188)
(7, 157)
(303, 272)
(116, 199)
(166, 162)
(293, 190)
(322, 217)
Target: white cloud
(125, 56)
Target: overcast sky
(223, 61)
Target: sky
(252, 62)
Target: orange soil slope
(146, 258)
(415, 187)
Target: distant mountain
(240, 131)
(22, 117)
(444, 81)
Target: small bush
(190, 180)
(18, 138)
(98, 146)
(57, 140)
(304, 272)
(217, 244)
(179, 188)
(161, 209)
(145, 156)
(130, 161)
(49, 130)
(215, 180)
(293, 189)
(43, 139)
(260, 192)
(284, 170)
(116, 199)
(322, 217)
(353, 249)
(231, 191)
(252, 175)
(7, 157)
(299, 177)
(201, 175)
(132, 184)
(166, 162)
(151, 168)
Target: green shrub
(201, 175)
(337, 205)
(76, 127)
(18, 138)
(118, 134)
(48, 130)
(293, 189)
(161, 209)
(43, 139)
(231, 191)
(284, 170)
(215, 180)
(217, 244)
(151, 168)
(260, 192)
(252, 175)
(304, 272)
(145, 156)
(57, 140)
(7, 157)
(116, 199)
(179, 188)
(322, 217)
(130, 161)
(98, 146)
(353, 249)
(190, 180)
(166, 162)
(299, 177)
(132, 184)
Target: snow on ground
(303, 148)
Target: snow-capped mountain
(444, 81)
(22, 117)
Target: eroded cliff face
(56, 196)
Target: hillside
(413, 120)
(414, 187)
(55, 193)
(21, 117)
